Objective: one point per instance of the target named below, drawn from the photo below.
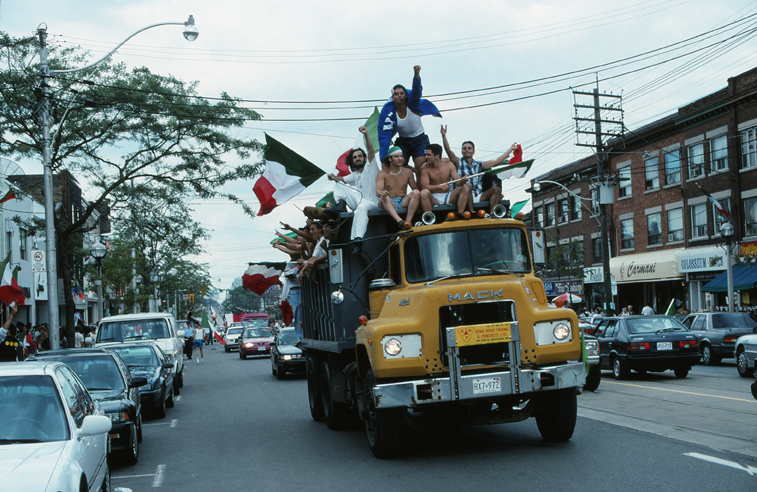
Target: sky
(501, 72)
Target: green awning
(744, 278)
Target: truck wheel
(335, 414)
(383, 424)
(593, 378)
(314, 393)
(556, 418)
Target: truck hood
(29, 466)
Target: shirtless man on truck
(434, 179)
(391, 188)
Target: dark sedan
(717, 333)
(286, 356)
(108, 381)
(147, 359)
(646, 343)
(255, 341)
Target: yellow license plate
(467, 335)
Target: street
(235, 427)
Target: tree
(240, 300)
(124, 130)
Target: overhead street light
(190, 34)
(727, 231)
(98, 252)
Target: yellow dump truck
(441, 322)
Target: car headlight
(118, 416)
(402, 346)
(592, 348)
(552, 332)
(249, 344)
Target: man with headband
(391, 187)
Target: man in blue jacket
(402, 115)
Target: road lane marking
(732, 464)
(679, 391)
(173, 422)
(133, 476)
(158, 481)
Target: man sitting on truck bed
(434, 178)
(361, 199)
(467, 166)
(391, 187)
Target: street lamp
(190, 34)
(98, 252)
(727, 231)
(155, 278)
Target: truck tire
(335, 414)
(556, 418)
(382, 425)
(314, 393)
(593, 378)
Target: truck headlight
(561, 331)
(552, 332)
(402, 346)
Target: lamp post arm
(591, 212)
(92, 65)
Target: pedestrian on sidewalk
(199, 335)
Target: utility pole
(604, 181)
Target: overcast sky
(501, 72)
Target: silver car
(746, 355)
(232, 334)
(717, 333)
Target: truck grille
(476, 314)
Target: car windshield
(98, 373)
(31, 410)
(137, 356)
(257, 333)
(133, 330)
(651, 324)
(469, 252)
(722, 321)
(235, 331)
(288, 338)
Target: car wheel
(556, 417)
(132, 454)
(382, 425)
(708, 356)
(619, 369)
(160, 411)
(279, 372)
(742, 365)
(180, 384)
(681, 372)
(593, 378)
(273, 369)
(170, 403)
(242, 355)
(314, 392)
(106, 486)
(139, 427)
(226, 349)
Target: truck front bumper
(421, 392)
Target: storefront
(744, 277)
(700, 266)
(649, 279)
(594, 288)
(554, 288)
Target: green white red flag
(507, 170)
(10, 292)
(8, 196)
(286, 174)
(371, 124)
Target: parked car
(147, 359)
(54, 435)
(160, 327)
(254, 341)
(286, 355)
(107, 379)
(746, 355)
(646, 343)
(717, 333)
(231, 337)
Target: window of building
(539, 216)
(720, 218)
(750, 216)
(654, 229)
(596, 246)
(696, 160)
(651, 174)
(8, 241)
(673, 167)
(550, 258)
(675, 224)
(626, 233)
(562, 206)
(22, 243)
(549, 216)
(719, 153)
(699, 220)
(749, 148)
(576, 208)
(625, 181)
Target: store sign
(563, 286)
(644, 267)
(594, 275)
(709, 258)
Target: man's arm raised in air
(452, 157)
(499, 160)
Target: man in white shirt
(647, 311)
(78, 337)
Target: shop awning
(744, 277)
(646, 267)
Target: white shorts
(441, 198)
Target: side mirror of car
(139, 381)
(273, 343)
(180, 333)
(93, 425)
(167, 365)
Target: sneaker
(202, 360)
(197, 360)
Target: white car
(54, 436)
(231, 336)
(746, 354)
(160, 327)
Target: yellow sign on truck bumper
(467, 335)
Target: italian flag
(286, 175)
(8, 196)
(259, 277)
(372, 125)
(10, 292)
(507, 170)
(205, 323)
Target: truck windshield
(469, 252)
